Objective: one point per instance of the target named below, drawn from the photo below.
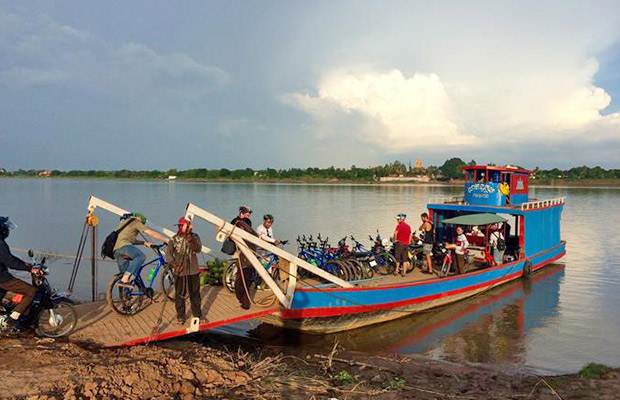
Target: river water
(564, 317)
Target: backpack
(107, 249)
(501, 243)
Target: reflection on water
(567, 319)
(490, 328)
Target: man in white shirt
(265, 232)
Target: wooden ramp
(100, 325)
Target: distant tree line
(450, 169)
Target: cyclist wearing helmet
(127, 255)
(265, 232)
(7, 281)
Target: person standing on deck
(128, 257)
(402, 239)
(181, 253)
(460, 247)
(498, 243)
(427, 242)
(242, 278)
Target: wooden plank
(101, 325)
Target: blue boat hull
(327, 310)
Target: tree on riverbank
(450, 169)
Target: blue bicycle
(127, 297)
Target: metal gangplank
(100, 325)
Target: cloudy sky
(159, 84)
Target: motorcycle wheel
(228, 277)
(167, 282)
(387, 263)
(121, 298)
(57, 322)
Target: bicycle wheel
(386, 263)
(167, 281)
(124, 298)
(347, 270)
(367, 271)
(335, 268)
(229, 275)
(356, 268)
(58, 321)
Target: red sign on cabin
(518, 184)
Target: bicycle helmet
(267, 217)
(5, 226)
(140, 216)
(401, 216)
(245, 210)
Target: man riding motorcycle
(7, 281)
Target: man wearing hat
(402, 239)
(242, 282)
(181, 253)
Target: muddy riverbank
(229, 368)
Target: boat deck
(99, 325)
(102, 326)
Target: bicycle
(325, 257)
(230, 272)
(126, 298)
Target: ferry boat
(491, 194)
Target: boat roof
(475, 219)
(507, 168)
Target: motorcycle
(50, 314)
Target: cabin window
(481, 175)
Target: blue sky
(156, 85)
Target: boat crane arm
(94, 202)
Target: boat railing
(531, 205)
(447, 200)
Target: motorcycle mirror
(30, 253)
(43, 260)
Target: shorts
(401, 252)
(427, 248)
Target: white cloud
(36, 50)
(17, 78)
(399, 112)
(480, 76)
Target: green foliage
(343, 378)
(591, 371)
(396, 383)
(451, 169)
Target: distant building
(172, 177)
(3, 171)
(418, 164)
(401, 178)
(45, 173)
